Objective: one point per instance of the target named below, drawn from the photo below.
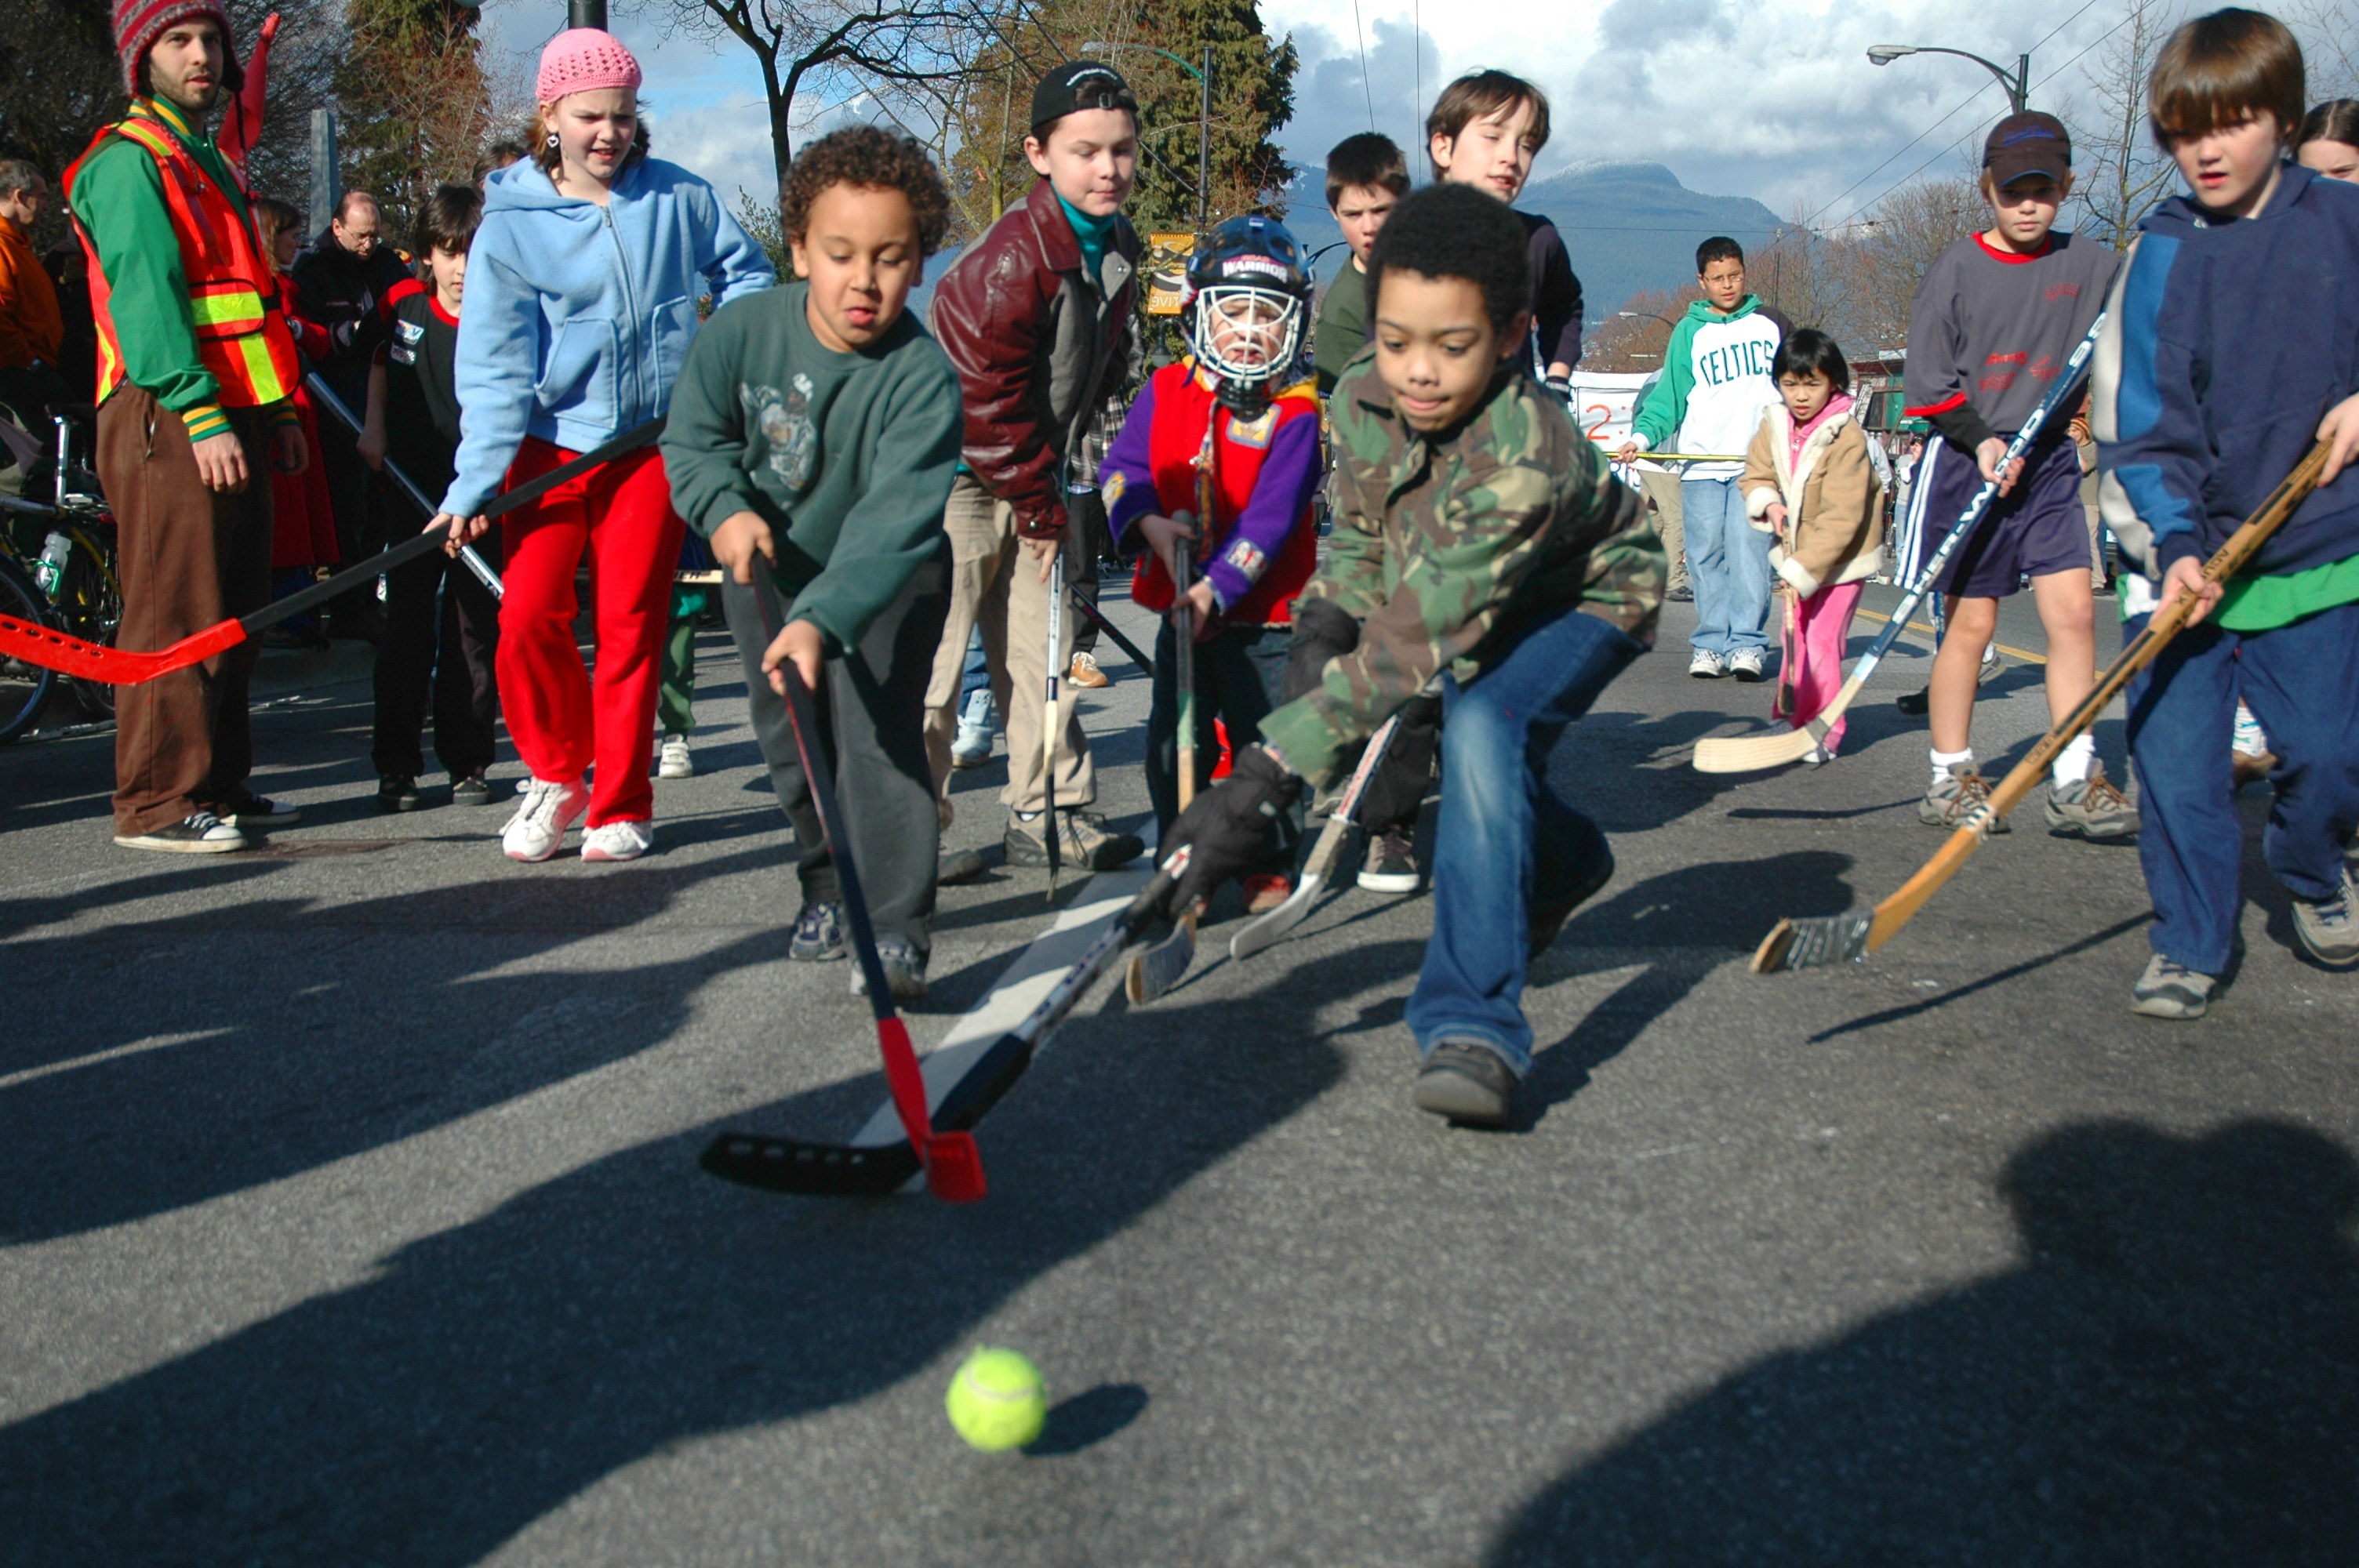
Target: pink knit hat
(582, 59)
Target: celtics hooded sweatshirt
(1714, 384)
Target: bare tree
(2122, 174)
(1896, 244)
(873, 49)
(1634, 336)
(2325, 29)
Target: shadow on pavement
(2171, 1376)
(483, 1377)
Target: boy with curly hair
(1481, 539)
(813, 437)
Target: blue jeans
(1728, 566)
(1504, 839)
(2303, 683)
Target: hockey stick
(326, 397)
(1674, 457)
(1162, 966)
(952, 1165)
(1825, 939)
(122, 666)
(1271, 928)
(1097, 618)
(1783, 704)
(1054, 831)
(848, 1169)
(1155, 969)
(1745, 753)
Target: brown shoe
(1085, 673)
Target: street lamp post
(2017, 83)
(1204, 113)
(586, 14)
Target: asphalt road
(349, 1210)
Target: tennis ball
(997, 1401)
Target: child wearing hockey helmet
(1247, 296)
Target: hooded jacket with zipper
(579, 316)
(1039, 346)
(1834, 499)
(2225, 342)
(1715, 382)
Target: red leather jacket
(1037, 348)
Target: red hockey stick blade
(954, 1167)
(86, 660)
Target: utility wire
(1365, 91)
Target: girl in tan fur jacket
(1808, 479)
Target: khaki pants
(995, 583)
(1663, 489)
(189, 557)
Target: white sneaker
(1746, 663)
(624, 840)
(1706, 666)
(673, 761)
(542, 818)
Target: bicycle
(73, 566)
(24, 687)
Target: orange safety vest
(232, 293)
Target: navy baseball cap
(1079, 85)
(2028, 143)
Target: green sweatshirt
(849, 457)
(119, 198)
(1343, 329)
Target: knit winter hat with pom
(584, 60)
(139, 23)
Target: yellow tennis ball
(997, 1401)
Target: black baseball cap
(1077, 85)
(2028, 143)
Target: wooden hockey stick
(1746, 753)
(1053, 833)
(122, 666)
(1825, 939)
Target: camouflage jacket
(1446, 550)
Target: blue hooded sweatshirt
(578, 316)
(2225, 342)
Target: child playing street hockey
(1366, 178)
(813, 438)
(1995, 320)
(583, 296)
(1480, 538)
(1714, 385)
(1036, 314)
(1809, 480)
(1236, 403)
(2230, 345)
(442, 625)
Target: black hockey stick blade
(813, 1169)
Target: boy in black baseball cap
(1036, 316)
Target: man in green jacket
(196, 369)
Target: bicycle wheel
(24, 687)
(90, 606)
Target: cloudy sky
(1774, 100)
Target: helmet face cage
(1246, 333)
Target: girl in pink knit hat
(582, 288)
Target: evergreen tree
(414, 104)
(1253, 94)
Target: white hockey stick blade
(1270, 929)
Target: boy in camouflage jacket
(1478, 537)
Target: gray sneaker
(904, 966)
(2090, 809)
(2329, 929)
(1466, 1081)
(2169, 989)
(1947, 803)
(1084, 843)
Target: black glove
(1323, 630)
(1229, 830)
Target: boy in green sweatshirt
(814, 436)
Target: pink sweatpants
(1814, 644)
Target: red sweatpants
(620, 514)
